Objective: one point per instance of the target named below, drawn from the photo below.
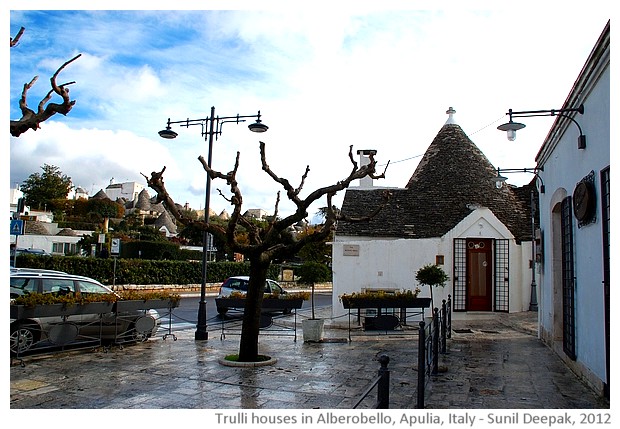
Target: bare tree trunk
(248, 346)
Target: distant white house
(256, 214)
(48, 237)
(129, 191)
(575, 308)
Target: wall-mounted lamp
(512, 127)
(499, 179)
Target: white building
(129, 191)
(574, 221)
(450, 213)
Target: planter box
(268, 303)
(55, 310)
(386, 303)
(313, 330)
(141, 304)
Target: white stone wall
(360, 262)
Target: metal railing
(382, 382)
(432, 341)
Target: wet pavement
(496, 362)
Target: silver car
(29, 332)
(239, 284)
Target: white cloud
(369, 77)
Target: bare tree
(31, 119)
(268, 242)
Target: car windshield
(238, 284)
(22, 285)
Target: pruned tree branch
(268, 240)
(266, 243)
(45, 109)
(15, 40)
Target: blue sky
(323, 78)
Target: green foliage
(106, 208)
(318, 251)
(33, 299)
(41, 189)
(313, 272)
(432, 275)
(140, 271)
(380, 294)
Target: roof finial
(450, 112)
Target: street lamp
(211, 126)
(512, 127)
(499, 180)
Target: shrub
(141, 271)
(314, 272)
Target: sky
(323, 78)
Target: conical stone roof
(144, 202)
(165, 220)
(101, 195)
(452, 178)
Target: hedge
(141, 271)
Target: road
(185, 316)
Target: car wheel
(222, 311)
(23, 337)
(287, 311)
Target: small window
(58, 286)
(88, 287)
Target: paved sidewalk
(489, 364)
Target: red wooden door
(479, 274)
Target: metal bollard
(383, 387)
(449, 319)
(443, 327)
(421, 365)
(435, 341)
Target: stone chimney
(364, 154)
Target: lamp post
(512, 127)
(211, 126)
(499, 180)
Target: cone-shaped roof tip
(450, 112)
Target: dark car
(30, 332)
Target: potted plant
(130, 300)
(311, 273)
(284, 302)
(34, 305)
(383, 299)
(433, 276)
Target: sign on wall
(350, 250)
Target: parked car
(239, 284)
(26, 251)
(31, 332)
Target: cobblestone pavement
(489, 364)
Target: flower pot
(385, 303)
(55, 310)
(313, 330)
(268, 303)
(144, 304)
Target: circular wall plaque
(584, 201)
